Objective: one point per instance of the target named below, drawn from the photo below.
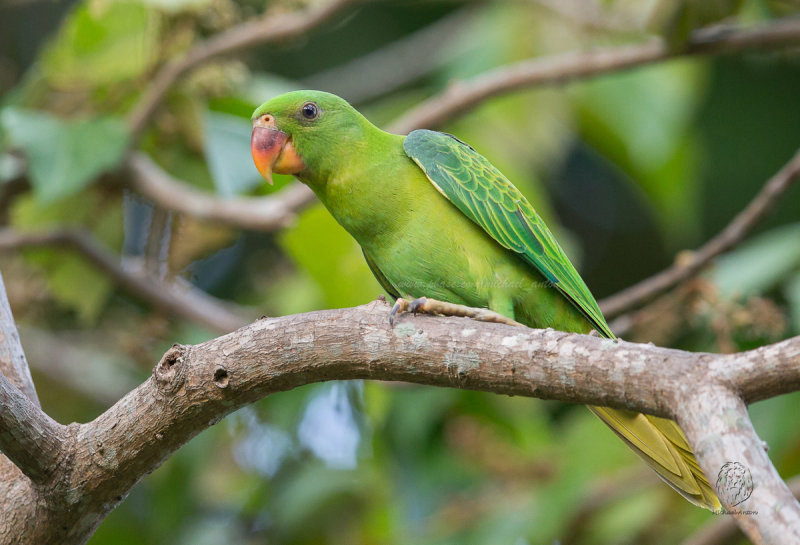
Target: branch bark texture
(193, 387)
(12, 358)
(28, 437)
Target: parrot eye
(309, 110)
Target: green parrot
(440, 226)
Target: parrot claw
(402, 305)
(399, 306)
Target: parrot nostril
(267, 118)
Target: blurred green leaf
(758, 264)
(76, 284)
(227, 150)
(642, 121)
(318, 493)
(64, 156)
(103, 42)
(334, 260)
(73, 281)
(792, 292)
(11, 167)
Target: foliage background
(628, 169)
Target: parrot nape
(436, 220)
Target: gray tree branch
(28, 437)
(716, 423)
(257, 213)
(193, 387)
(12, 358)
(724, 530)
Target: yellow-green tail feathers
(662, 444)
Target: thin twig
(269, 29)
(730, 236)
(259, 213)
(190, 303)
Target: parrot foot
(436, 307)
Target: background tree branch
(188, 301)
(268, 29)
(462, 96)
(733, 233)
(257, 213)
(274, 212)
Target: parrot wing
(484, 195)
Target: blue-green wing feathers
(485, 196)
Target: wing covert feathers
(484, 195)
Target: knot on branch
(221, 377)
(170, 370)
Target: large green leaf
(64, 156)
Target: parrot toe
(425, 305)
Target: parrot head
(301, 132)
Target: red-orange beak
(272, 149)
